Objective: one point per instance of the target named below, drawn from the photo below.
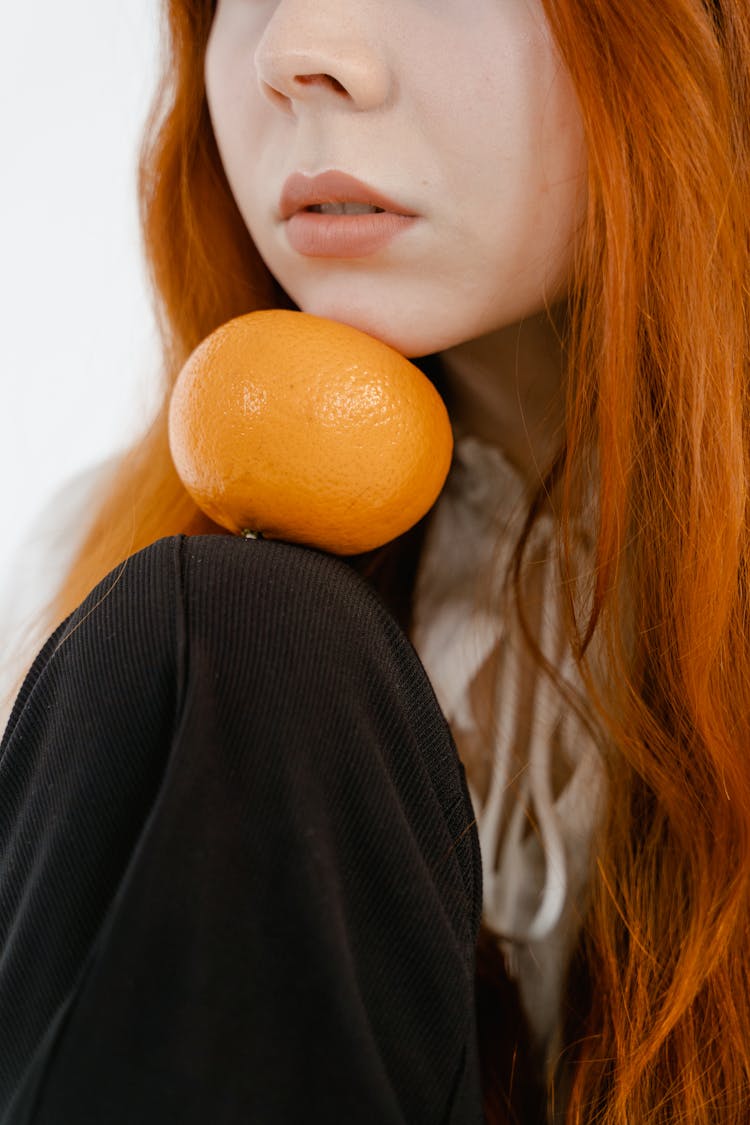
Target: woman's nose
(313, 54)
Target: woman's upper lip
(301, 191)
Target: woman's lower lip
(343, 236)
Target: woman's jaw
(414, 308)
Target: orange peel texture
(303, 429)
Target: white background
(78, 352)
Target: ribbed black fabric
(240, 878)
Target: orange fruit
(300, 428)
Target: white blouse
(547, 781)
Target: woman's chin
(410, 339)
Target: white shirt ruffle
(534, 880)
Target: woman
(576, 281)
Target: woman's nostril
(328, 79)
(356, 78)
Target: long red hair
(657, 416)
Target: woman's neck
(506, 389)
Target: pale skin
(461, 110)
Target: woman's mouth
(345, 209)
(335, 215)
